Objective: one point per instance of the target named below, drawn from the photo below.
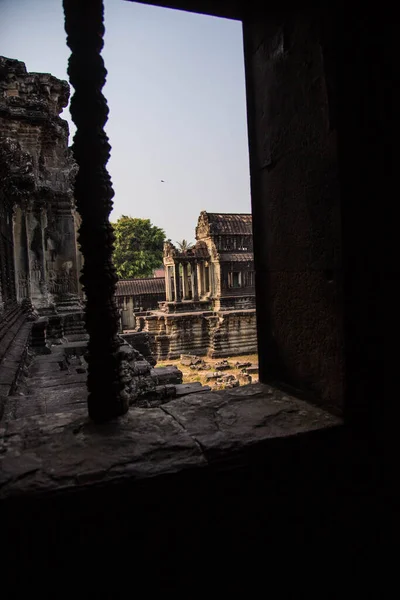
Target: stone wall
(214, 334)
(143, 343)
(34, 141)
(233, 333)
(296, 205)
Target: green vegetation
(138, 247)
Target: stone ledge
(64, 451)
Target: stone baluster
(177, 282)
(93, 194)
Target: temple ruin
(41, 297)
(209, 306)
(293, 476)
(217, 273)
(40, 258)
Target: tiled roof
(200, 250)
(221, 224)
(141, 287)
(236, 257)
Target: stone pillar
(200, 281)
(35, 223)
(195, 287)
(64, 259)
(78, 253)
(93, 193)
(212, 280)
(185, 282)
(21, 260)
(177, 282)
(168, 286)
(207, 282)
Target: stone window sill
(65, 451)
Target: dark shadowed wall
(296, 206)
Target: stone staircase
(15, 331)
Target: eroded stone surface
(58, 450)
(228, 420)
(65, 449)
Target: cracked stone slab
(45, 401)
(230, 420)
(64, 378)
(65, 450)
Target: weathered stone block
(222, 365)
(188, 359)
(244, 378)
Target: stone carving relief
(23, 286)
(63, 281)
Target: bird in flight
(162, 181)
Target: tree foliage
(138, 247)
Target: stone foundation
(235, 302)
(143, 343)
(214, 334)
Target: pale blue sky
(176, 93)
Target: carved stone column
(61, 254)
(206, 273)
(185, 282)
(35, 220)
(211, 274)
(93, 194)
(177, 282)
(168, 286)
(200, 267)
(195, 287)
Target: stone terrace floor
(47, 442)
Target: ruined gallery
(110, 472)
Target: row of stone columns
(199, 284)
(39, 276)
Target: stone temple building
(292, 480)
(217, 273)
(208, 295)
(40, 262)
(40, 259)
